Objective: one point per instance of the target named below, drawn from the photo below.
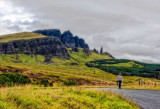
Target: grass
(62, 72)
(19, 36)
(82, 58)
(30, 97)
(126, 67)
(127, 64)
(60, 68)
(144, 87)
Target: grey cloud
(19, 26)
(1, 14)
(14, 28)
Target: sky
(128, 29)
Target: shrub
(5, 81)
(70, 82)
(44, 82)
(9, 79)
(18, 78)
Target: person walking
(119, 80)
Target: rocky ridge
(43, 46)
(66, 38)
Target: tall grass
(60, 98)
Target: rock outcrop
(106, 53)
(42, 46)
(66, 38)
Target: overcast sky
(127, 29)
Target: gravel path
(147, 99)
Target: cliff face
(42, 46)
(66, 38)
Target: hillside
(63, 72)
(42, 71)
(58, 71)
(127, 67)
(45, 68)
(19, 36)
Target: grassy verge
(60, 98)
(144, 87)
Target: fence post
(94, 68)
(139, 81)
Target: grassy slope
(127, 64)
(20, 36)
(62, 70)
(127, 67)
(132, 82)
(61, 98)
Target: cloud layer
(125, 28)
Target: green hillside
(63, 72)
(66, 72)
(60, 83)
(71, 71)
(127, 67)
(19, 36)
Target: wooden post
(155, 83)
(94, 68)
(107, 66)
(139, 81)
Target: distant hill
(126, 67)
(66, 38)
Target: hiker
(119, 80)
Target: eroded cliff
(43, 46)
